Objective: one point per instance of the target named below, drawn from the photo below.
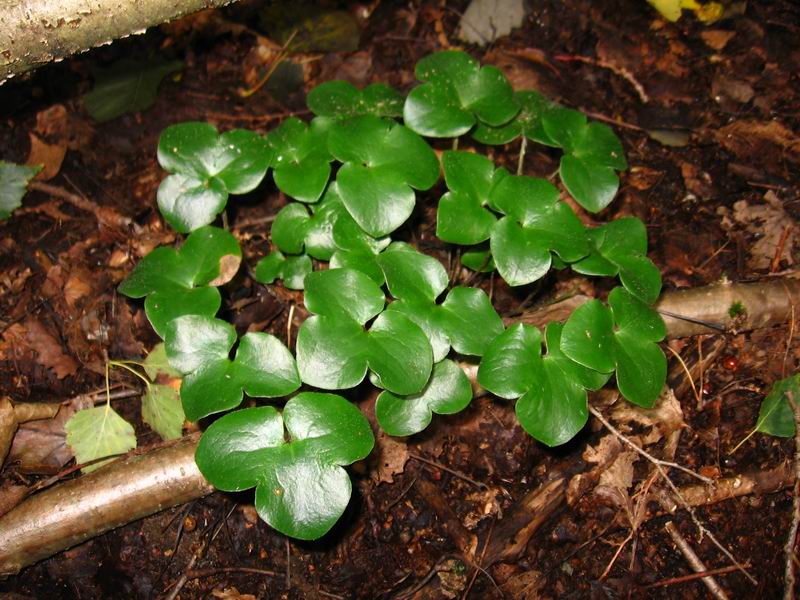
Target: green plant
(14, 181)
(407, 344)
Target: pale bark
(64, 516)
(36, 32)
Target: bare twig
(693, 576)
(694, 561)
(458, 474)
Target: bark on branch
(36, 32)
(139, 486)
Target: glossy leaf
(331, 353)
(776, 415)
(592, 155)
(551, 389)
(199, 346)
(623, 337)
(301, 164)
(14, 181)
(291, 269)
(447, 392)
(399, 353)
(301, 488)
(383, 161)
(620, 248)
(478, 258)
(157, 364)
(206, 168)
(462, 217)
(528, 122)
(343, 293)
(170, 278)
(342, 100)
(456, 93)
(469, 320)
(98, 432)
(411, 275)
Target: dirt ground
(708, 115)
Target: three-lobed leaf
(528, 122)
(342, 100)
(206, 167)
(301, 163)
(301, 487)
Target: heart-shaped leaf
(447, 392)
(341, 100)
(301, 165)
(552, 404)
(411, 275)
(206, 168)
(462, 217)
(180, 282)
(528, 122)
(592, 155)
(383, 161)
(478, 258)
(776, 415)
(623, 337)
(301, 487)
(620, 248)
(536, 224)
(13, 185)
(291, 269)
(199, 347)
(343, 294)
(98, 432)
(455, 94)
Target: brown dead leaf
(48, 349)
(231, 594)
(8, 427)
(769, 224)
(717, 39)
(766, 143)
(77, 286)
(524, 586)
(391, 456)
(47, 156)
(665, 418)
(228, 266)
(617, 479)
(59, 126)
(41, 446)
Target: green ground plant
(382, 309)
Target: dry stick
(693, 576)
(659, 465)
(789, 576)
(694, 561)
(458, 474)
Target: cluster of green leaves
(382, 310)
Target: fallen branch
(135, 487)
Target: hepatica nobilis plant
(381, 309)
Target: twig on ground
(693, 576)
(694, 561)
(659, 465)
(791, 539)
(105, 215)
(697, 395)
(458, 474)
(617, 70)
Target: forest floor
(708, 115)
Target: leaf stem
(523, 145)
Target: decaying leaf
(663, 419)
(391, 455)
(48, 156)
(618, 479)
(48, 349)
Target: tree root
(141, 485)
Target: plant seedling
(456, 93)
(198, 346)
(383, 163)
(342, 100)
(620, 248)
(333, 349)
(181, 282)
(301, 164)
(301, 487)
(205, 168)
(550, 390)
(622, 336)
